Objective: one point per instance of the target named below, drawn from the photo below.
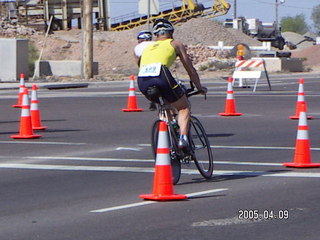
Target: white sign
(144, 6)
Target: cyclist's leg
(182, 106)
(174, 94)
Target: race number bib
(150, 70)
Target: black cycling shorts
(169, 89)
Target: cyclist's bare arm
(186, 61)
(136, 58)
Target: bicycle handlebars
(191, 91)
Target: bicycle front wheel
(200, 146)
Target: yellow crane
(64, 11)
(188, 9)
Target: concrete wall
(14, 59)
(61, 68)
(283, 64)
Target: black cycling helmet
(144, 35)
(162, 25)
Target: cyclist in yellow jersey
(154, 71)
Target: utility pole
(234, 9)
(64, 7)
(104, 15)
(87, 42)
(107, 14)
(277, 17)
(277, 12)
(149, 9)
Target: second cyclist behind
(154, 70)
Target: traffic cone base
(297, 117)
(40, 128)
(163, 197)
(16, 106)
(132, 110)
(230, 114)
(302, 165)
(25, 136)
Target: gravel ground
(114, 50)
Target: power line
(284, 4)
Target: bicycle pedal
(186, 160)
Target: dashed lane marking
(227, 222)
(40, 142)
(131, 205)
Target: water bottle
(175, 127)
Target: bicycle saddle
(153, 93)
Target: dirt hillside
(311, 54)
(114, 50)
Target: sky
(262, 9)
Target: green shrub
(33, 57)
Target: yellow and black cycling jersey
(159, 52)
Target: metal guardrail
(266, 46)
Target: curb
(65, 86)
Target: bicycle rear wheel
(175, 161)
(200, 146)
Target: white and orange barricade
(253, 68)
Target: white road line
(90, 159)
(206, 192)
(254, 147)
(247, 163)
(38, 142)
(129, 149)
(151, 170)
(126, 206)
(144, 160)
(245, 147)
(122, 207)
(74, 168)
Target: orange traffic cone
(300, 101)
(302, 155)
(162, 184)
(34, 110)
(21, 91)
(25, 120)
(230, 109)
(132, 99)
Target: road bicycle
(199, 150)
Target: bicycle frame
(165, 114)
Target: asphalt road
(82, 179)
